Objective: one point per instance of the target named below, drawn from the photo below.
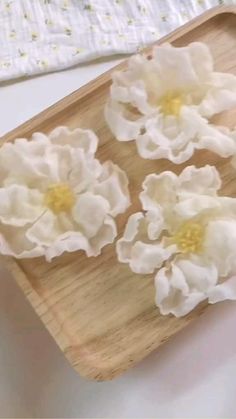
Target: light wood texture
(103, 316)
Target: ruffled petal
(86, 140)
(13, 242)
(113, 186)
(214, 139)
(183, 68)
(20, 205)
(159, 191)
(89, 213)
(135, 247)
(203, 180)
(135, 94)
(25, 162)
(45, 231)
(72, 241)
(219, 244)
(145, 257)
(222, 292)
(221, 96)
(170, 137)
(105, 235)
(125, 244)
(83, 172)
(193, 205)
(182, 286)
(123, 128)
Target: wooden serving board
(101, 315)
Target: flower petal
(113, 186)
(122, 128)
(105, 235)
(20, 205)
(24, 162)
(125, 244)
(159, 191)
(155, 223)
(72, 241)
(194, 205)
(135, 248)
(13, 242)
(170, 137)
(217, 141)
(203, 180)
(221, 96)
(219, 245)
(225, 291)
(145, 257)
(135, 94)
(83, 171)
(180, 288)
(185, 67)
(90, 212)
(46, 230)
(86, 140)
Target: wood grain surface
(101, 315)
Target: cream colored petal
(105, 235)
(149, 148)
(20, 205)
(13, 242)
(217, 141)
(113, 186)
(46, 230)
(193, 205)
(221, 96)
(124, 244)
(25, 162)
(86, 140)
(40, 161)
(135, 247)
(224, 291)
(170, 137)
(182, 286)
(155, 223)
(72, 166)
(89, 213)
(183, 68)
(203, 180)
(159, 191)
(145, 257)
(135, 94)
(219, 244)
(83, 171)
(122, 128)
(71, 241)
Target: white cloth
(47, 35)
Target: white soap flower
(187, 235)
(165, 103)
(56, 197)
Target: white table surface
(192, 376)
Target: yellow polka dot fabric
(47, 35)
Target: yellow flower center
(59, 198)
(171, 104)
(189, 238)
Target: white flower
(56, 197)
(188, 232)
(165, 103)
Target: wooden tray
(101, 315)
